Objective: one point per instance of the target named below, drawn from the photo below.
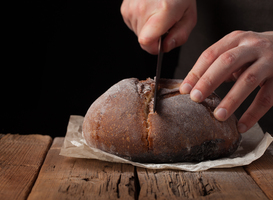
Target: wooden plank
(73, 178)
(261, 171)
(21, 157)
(1, 135)
(233, 183)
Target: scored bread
(122, 122)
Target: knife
(158, 71)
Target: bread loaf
(122, 122)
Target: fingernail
(196, 95)
(186, 88)
(242, 128)
(220, 114)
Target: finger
(207, 58)
(235, 75)
(261, 104)
(180, 32)
(220, 70)
(157, 25)
(126, 15)
(246, 83)
(134, 14)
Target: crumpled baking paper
(254, 144)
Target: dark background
(59, 56)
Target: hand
(246, 57)
(150, 19)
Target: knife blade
(158, 71)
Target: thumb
(157, 25)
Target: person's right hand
(150, 19)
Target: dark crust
(107, 123)
(188, 131)
(180, 131)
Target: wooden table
(31, 168)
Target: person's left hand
(246, 57)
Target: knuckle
(141, 8)
(235, 33)
(262, 42)
(193, 76)
(126, 12)
(250, 79)
(206, 81)
(227, 58)
(122, 9)
(208, 55)
(232, 101)
(251, 116)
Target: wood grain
(21, 157)
(232, 183)
(73, 178)
(261, 171)
(1, 135)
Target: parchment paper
(254, 144)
